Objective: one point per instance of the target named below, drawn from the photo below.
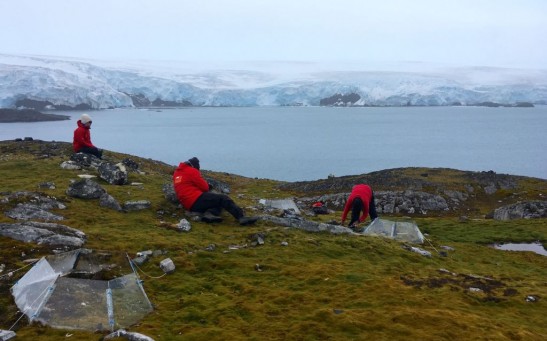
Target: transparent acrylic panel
(31, 291)
(408, 231)
(130, 301)
(82, 303)
(399, 230)
(77, 304)
(63, 263)
(380, 227)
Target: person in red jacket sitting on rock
(361, 199)
(82, 138)
(194, 194)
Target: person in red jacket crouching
(82, 138)
(361, 199)
(194, 194)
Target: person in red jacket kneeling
(82, 138)
(361, 199)
(194, 194)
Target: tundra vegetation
(298, 285)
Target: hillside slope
(296, 285)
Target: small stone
(47, 185)
(532, 298)
(136, 205)
(140, 260)
(145, 253)
(167, 265)
(184, 225)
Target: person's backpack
(319, 208)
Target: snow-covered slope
(103, 84)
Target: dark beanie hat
(194, 162)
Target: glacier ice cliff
(27, 81)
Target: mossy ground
(319, 287)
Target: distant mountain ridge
(57, 83)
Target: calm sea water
(309, 143)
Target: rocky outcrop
(491, 182)
(25, 211)
(522, 210)
(339, 100)
(86, 160)
(44, 233)
(407, 202)
(306, 225)
(43, 201)
(36, 206)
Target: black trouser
(357, 207)
(214, 203)
(92, 150)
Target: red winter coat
(82, 137)
(189, 185)
(359, 191)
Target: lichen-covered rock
(26, 211)
(169, 193)
(70, 165)
(306, 225)
(35, 198)
(86, 160)
(136, 205)
(106, 200)
(85, 189)
(217, 185)
(522, 210)
(131, 164)
(44, 233)
(114, 174)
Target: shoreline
(28, 115)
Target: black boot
(247, 220)
(209, 217)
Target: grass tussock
(319, 287)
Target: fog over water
(310, 143)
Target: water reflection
(534, 247)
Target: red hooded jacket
(82, 137)
(189, 184)
(358, 191)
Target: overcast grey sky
(505, 33)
